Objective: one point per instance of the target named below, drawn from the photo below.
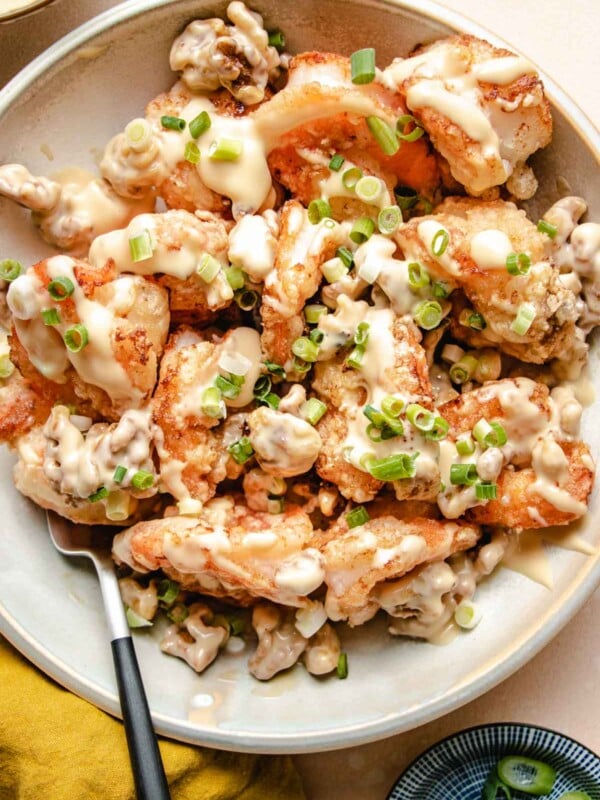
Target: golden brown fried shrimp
(230, 551)
(358, 559)
(481, 235)
(483, 107)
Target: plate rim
(557, 614)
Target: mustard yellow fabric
(56, 746)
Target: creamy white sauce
(284, 444)
(301, 574)
(252, 246)
(490, 249)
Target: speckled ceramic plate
(456, 768)
(67, 104)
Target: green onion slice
(406, 197)
(140, 247)
(493, 785)
(277, 40)
(546, 227)
(272, 400)
(467, 615)
(472, 319)
(518, 263)
(439, 430)
(225, 149)
(208, 268)
(200, 124)
(374, 415)
(173, 123)
(463, 370)
(420, 417)
(440, 242)
(138, 133)
(236, 277)
(384, 135)
(362, 230)
(305, 349)
(76, 338)
(60, 288)
(98, 495)
(404, 122)
(275, 369)
(463, 474)
(362, 66)
(313, 312)
(229, 387)
(441, 290)
(167, 592)
(358, 516)
(524, 319)
(316, 336)
(346, 256)
(490, 434)
(6, 367)
(313, 410)
(246, 299)
(389, 219)
(212, 404)
(486, 491)
(527, 774)
(351, 177)
(192, 153)
(10, 269)
(394, 468)
(50, 316)
(262, 387)
(135, 620)
(119, 474)
(418, 277)
(361, 335)
(575, 796)
(336, 162)
(142, 480)
(241, 450)
(275, 504)
(465, 446)
(392, 406)
(428, 314)
(355, 358)
(369, 189)
(342, 666)
(178, 613)
(318, 210)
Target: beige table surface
(560, 688)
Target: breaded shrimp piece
(116, 328)
(481, 235)
(193, 446)
(357, 560)
(394, 363)
(301, 250)
(483, 107)
(180, 242)
(300, 159)
(229, 551)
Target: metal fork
(146, 764)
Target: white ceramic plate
(50, 607)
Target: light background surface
(559, 688)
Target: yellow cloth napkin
(56, 746)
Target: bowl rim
(557, 615)
(23, 11)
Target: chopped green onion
(440, 242)
(346, 256)
(246, 299)
(575, 796)
(403, 122)
(392, 406)
(212, 404)
(420, 417)
(369, 189)
(318, 210)
(272, 400)
(486, 491)
(472, 319)
(200, 124)
(192, 153)
(467, 615)
(425, 205)
(333, 270)
(76, 338)
(99, 494)
(374, 433)
(262, 387)
(465, 446)
(241, 450)
(351, 177)
(6, 367)
(418, 277)
(277, 40)
(463, 370)
(117, 506)
(525, 316)
(140, 247)
(225, 149)
(428, 314)
(439, 431)
(135, 620)
(358, 516)
(490, 434)
(305, 349)
(208, 268)
(50, 316)
(10, 269)
(60, 288)
(228, 387)
(518, 263)
(300, 366)
(362, 230)
(406, 197)
(463, 474)
(275, 504)
(173, 123)
(236, 277)
(316, 336)
(355, 358)
(374, 415)
(167, 592)
(342, 666)
(138, 133)
(384, 135)
(142, 480)
(394, 468)
(362, 66)
(178, 613)
(546, 227)
(489, 366)
(336, 162)
(275, 369)
(313, 312)
(526, 774)
(313, 410)
(389, 219)
(361, 335)
(493, 785)
(441, 290)
(119, 474)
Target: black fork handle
(148, 771)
